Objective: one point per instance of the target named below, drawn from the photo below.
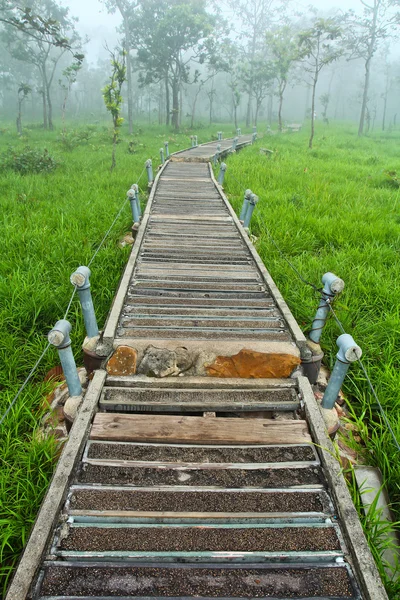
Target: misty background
(220, 88)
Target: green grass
(50, 224)
(335, 208)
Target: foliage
(27, 161)
(347, 222)
(48, 230)
(40, 50)
(112, 96)
(168, 35)
(365, 34)
(33, 23)
(320, 47)
(285, 49)
(73, 138)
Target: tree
(127, 10)
(169, 35)
(112, 97)
(23, 92)
(40, 50)
(228, 60)
(260, 77)
(320, 46)
(33, 24)
(70, 75)
(365, 34)
(255, 16)
(283, 45)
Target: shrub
(76, 137)
(28, 160)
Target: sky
(96, 23)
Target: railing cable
(33, 370)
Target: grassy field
(51, 223)
(337, 208)
(333, 208)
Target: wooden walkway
(199, 465)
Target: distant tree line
(180, 56)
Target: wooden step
(178, 429)
(91, 580)
(123, 399)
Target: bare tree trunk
(19, 118)
(113, 160)
(129, 83)
(258, 104)
(194, 106)
(235, 113)
(270, 107)
(310, 143)
(180, 105)
(175, 104)
(282, 88)
(49, 105)
(167, 101)
(365, 97)
(45, 122)
(384, 113)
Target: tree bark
(310, 143)
(194, 106)
(175, 103)
(270, 108)
(282, 87)
(167, 101)
(19, 124)
(370, 54)
(365, 97)
(45, 122)
(129, 83)
(384, 112)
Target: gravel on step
(178, 582)
(191, 501)
(201, 539)
(200, 454)
(227, 478)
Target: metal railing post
(81, 280)
(221, 174)
(135, 188)
(250, 209)
(234, 143)
(217, 153)
(134, 208)
(348, 353)
(245, 204)
(333, 285)
(149, 169)
(166, 144)
(59, 337)
(162, 156)
(195, 141)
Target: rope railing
(38, 362)
(318, 291)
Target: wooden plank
(178, 429)
(56, 493)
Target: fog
(221, 87)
